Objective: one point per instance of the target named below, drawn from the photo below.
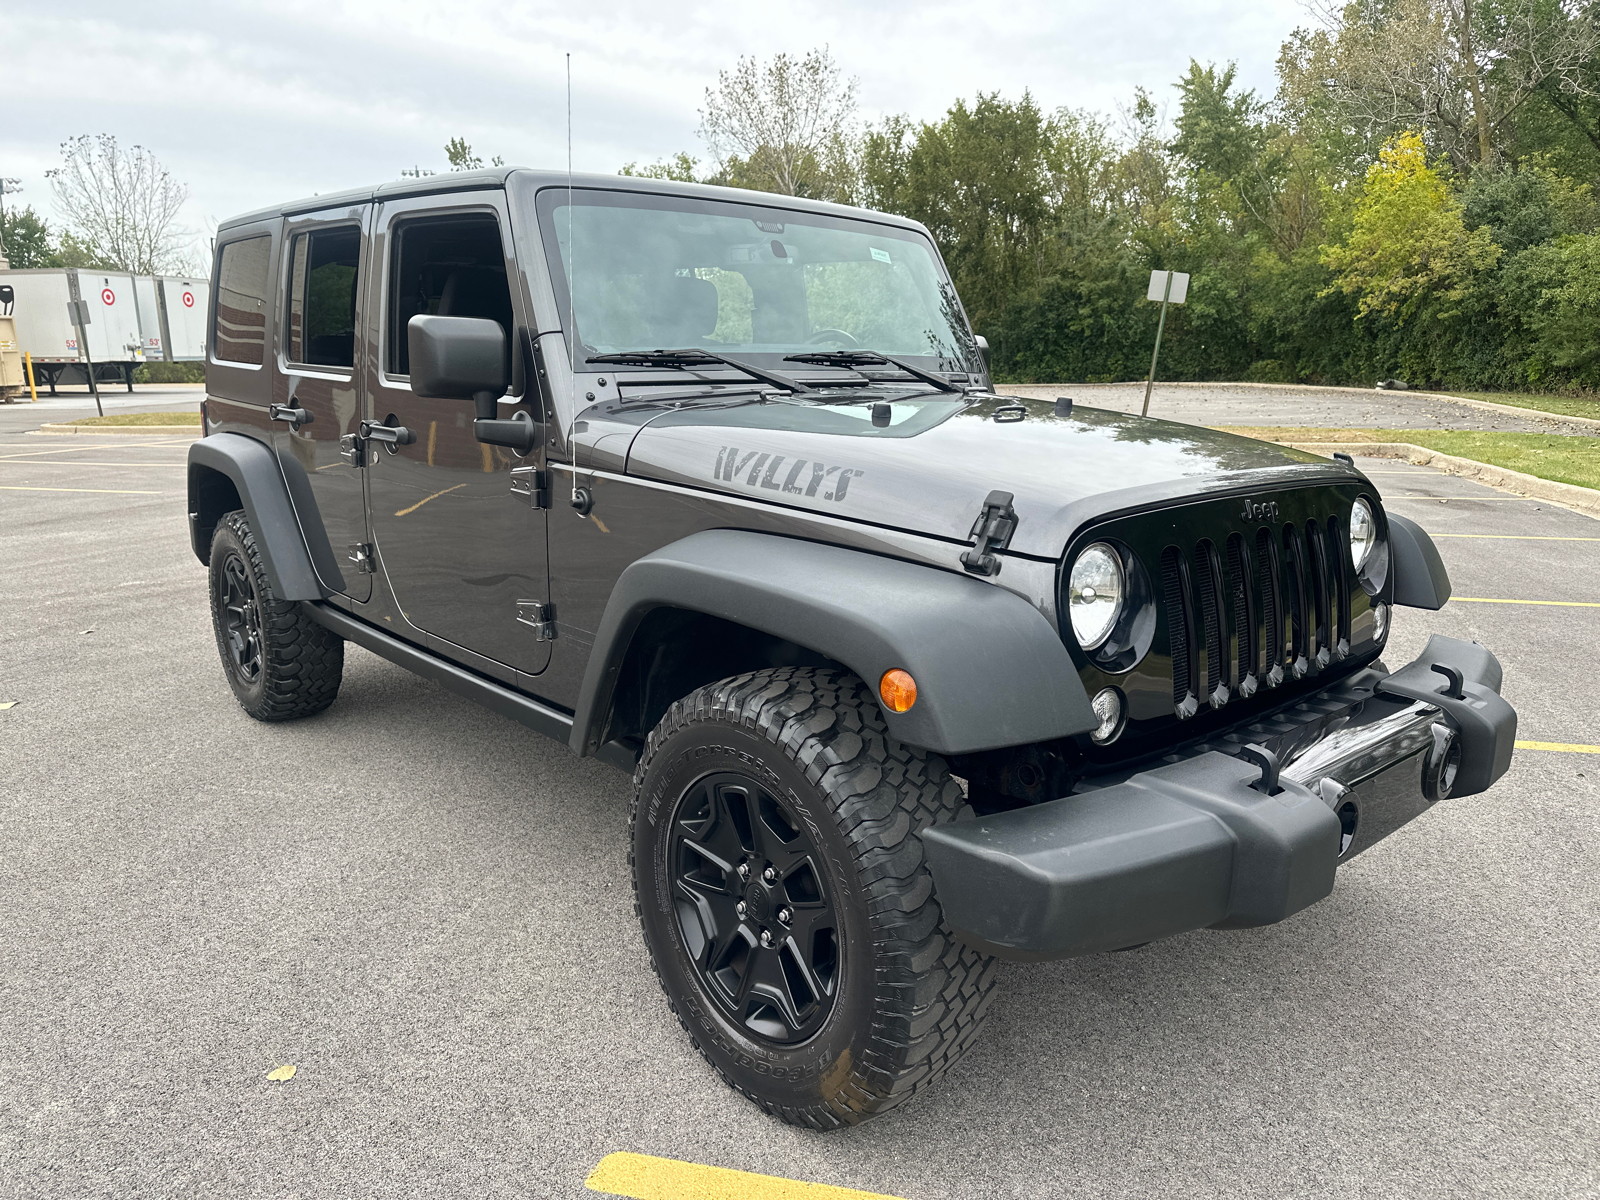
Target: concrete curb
(152, 430)
(1585, 500)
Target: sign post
(1169, 287)
(78, 310)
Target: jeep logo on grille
(1266, 510)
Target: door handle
(287, 412)
(389, 435)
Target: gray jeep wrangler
(911, 677)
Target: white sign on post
(1158, 287)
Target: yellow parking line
(1559, 747)
(98, 491)
(644, 1177)
(78, 462)
(1516, 537)
(425, 499)
(1550, 603)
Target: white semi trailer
(183, 306)
(132, 320)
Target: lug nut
(786, 915)
(770, 875)
(741, 908)
(744, 870)
(766, 938)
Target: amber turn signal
(898, 689)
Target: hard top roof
(496, 177)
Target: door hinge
(352, 449)
(538, 616)
(532, 483)
(361, 555)
(993, 530)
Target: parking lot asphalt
(1315, 407)
(426, 909)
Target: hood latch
(993, 530)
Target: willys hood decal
(930, 469)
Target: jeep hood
(932, 468)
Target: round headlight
(1094, 594)
(1363, 533)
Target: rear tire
(279, 662)
(828, 989)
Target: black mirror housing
(983, 350)
(458, 358)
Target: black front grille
(1273, 607)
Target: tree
(122, 205)
(25, 239)
(1457, 70)
(1408, 242)
(461, 157)
(680, 168)
(785, 127)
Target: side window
(320, 325)
(241, 332)
(448, 267)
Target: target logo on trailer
(188, 299)
(108, 297)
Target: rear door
(463, 553)
(326, 259)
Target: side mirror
(458, 358)
(983, 351)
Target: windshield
(650, 272)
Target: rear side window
(321, 322)
(241, 332)
(450, 267)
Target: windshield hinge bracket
(992, 531)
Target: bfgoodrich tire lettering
(907, 999)
(279, 662)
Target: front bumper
(1215, 841)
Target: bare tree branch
(122, 205)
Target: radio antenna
(572, 298)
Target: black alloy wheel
(241, 619)
(280, 663)
(790, 916)
(754, 907)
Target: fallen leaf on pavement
(281, 1074)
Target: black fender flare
(1420, 578)
(253, 470)
(990, 669)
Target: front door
(463, 552)
(326, 263)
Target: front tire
(279, 662)
(789, 914)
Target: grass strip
(160, 418)
(1574, 460)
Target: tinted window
(241, 333)
(321, 321)
(450, 267)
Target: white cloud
(252, 103)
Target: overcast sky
(252, 103)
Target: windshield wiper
(696, 357)
(867, 358)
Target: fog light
(1107, 705)
(1380, 622)
(898, 689)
